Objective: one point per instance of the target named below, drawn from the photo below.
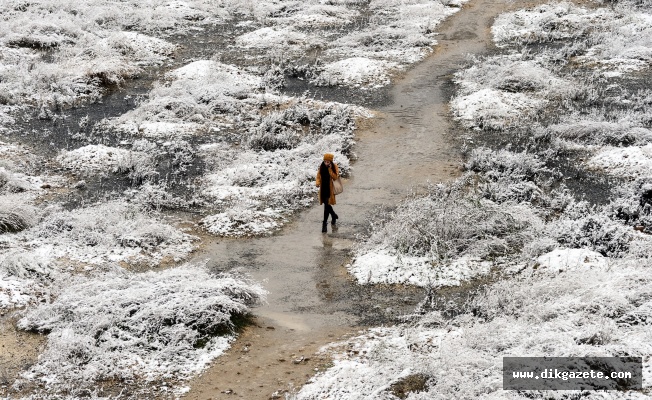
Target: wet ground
(313, 301)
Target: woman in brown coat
(326, 174)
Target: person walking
(326, 174)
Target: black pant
(328, 209)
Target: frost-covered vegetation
(43, 243)
(562, 100)
(568, 307)
(136, 329)
(565, 103)
(262, 162)
(56, 55)
(257, 148)
(351, 43)
(216, 135)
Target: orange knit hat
(328, 157)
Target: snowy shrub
(599, 132)
(243, 222)
(285, 40)
(503, 90)
(491, 109)
(507, 176)
(164, 325)
(273, 79)
(15, 214)
(27, 266)
(513, 73)
(23, 278)
(94, 159)
(632, 203)
(629, 162)
(582, 226)
(355, 71)
(15, 157)
(521, 166)
(199, 93)
(154, 197)
(449, 223)
(109, 232)
(11, 183)
(547, 22)
(276, 131)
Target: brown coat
(334, 175)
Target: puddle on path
(312, 300)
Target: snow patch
(493, 109)
(560, 260)
(385, 266)
(356, 71)
(632, 161)
(97, 158)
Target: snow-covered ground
(508, 217)
(574, 306)
(245, 153)
(570, 278)
(507, 207)
(261, 166)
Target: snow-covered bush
(508, 176)
(24, 277)
(137, 328)
(98, 159)
(108, 232)
(632, 204)
(448, 236)
(355, 71)
(505, 163)
(15, 213)
(596, 131)
(585, 228)
(547, 22)
(154, 197)
(503, 90)
(202, 92)
(627, 162)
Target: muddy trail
(312, 300)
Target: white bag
(337, 186)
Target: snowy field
(567, 276)
(87, 212)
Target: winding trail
(312, 299)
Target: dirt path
(312, 300)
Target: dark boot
(324, 225)
(334, 218)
